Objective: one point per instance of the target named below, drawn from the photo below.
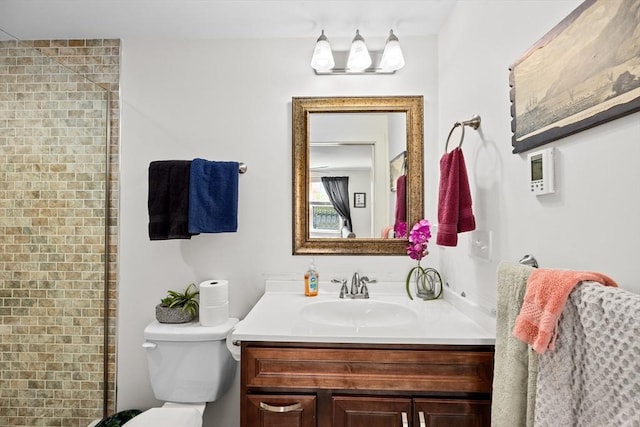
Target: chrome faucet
(358, 287)
(355, 284)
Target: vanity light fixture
(358, 60)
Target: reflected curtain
(337, 188)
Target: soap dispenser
(311, 281)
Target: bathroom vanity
(387, 361)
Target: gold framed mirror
(312, 118)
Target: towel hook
(473, 122)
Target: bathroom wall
(231, 100)
(53, 127)
(590, 223)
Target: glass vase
(428, 283)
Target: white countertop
(451, 320)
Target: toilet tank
(189, 363)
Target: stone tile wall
(53, 107)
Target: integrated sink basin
(358, 313)
(284, 314)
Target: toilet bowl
(170, 415)
(189, 365)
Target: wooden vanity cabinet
(358, 385)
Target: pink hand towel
(454, 199)
(401, 199)
(466, 220)
(448, 199)
(545, 297)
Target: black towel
(169, 199)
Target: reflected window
(324, 219)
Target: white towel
(592, 378)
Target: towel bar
(473, 122)
(242, 167)
(529, 260)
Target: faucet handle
(365, 279)
(343, 288)
(364, 290)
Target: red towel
(401, 199)
(454, 199)
(466, 220)
(448, 200)
(545, 297)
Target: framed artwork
(396, 168)
(582, 73)
(359, 200)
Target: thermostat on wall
(542, 172)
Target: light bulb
(392, 57)
(359, 59)
(322, 59)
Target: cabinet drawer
(455, 371)
(279, 410)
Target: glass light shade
(392, 57)
(322, 59)
(359, 58)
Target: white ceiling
(209, 19)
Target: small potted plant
(179, 307)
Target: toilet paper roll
(214, 292)
(234, 348)
(214, 315)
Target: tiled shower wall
(52, 230)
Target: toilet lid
(167, 417)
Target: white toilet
(189, 365)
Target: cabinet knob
(290, 408)
(423, 423)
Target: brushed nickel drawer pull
(405, 420)
(423, 423)
(290, 408)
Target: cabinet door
(451, 413)
(358, 411)
(280, 411)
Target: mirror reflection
(353, 187)
(357, 173)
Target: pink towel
(448, 200)
(545, 297)
(401, 199)
(466, 220)
(454, 199)
(386, 231)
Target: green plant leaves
(188, 300)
